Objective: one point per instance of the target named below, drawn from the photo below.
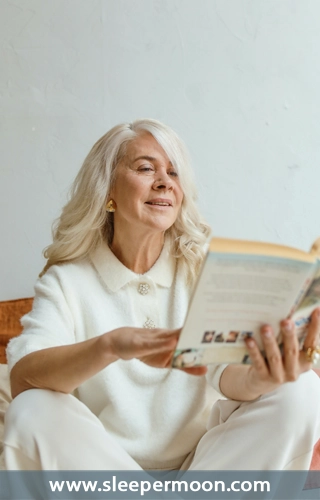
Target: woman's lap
(274, 432)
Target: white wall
(238, 79)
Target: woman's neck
(137, 254)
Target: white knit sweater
(157, 415)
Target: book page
(237, 294)
(306, 303)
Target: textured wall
(238, 79)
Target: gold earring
(111, 206)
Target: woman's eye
(146, 168)
(173, 173)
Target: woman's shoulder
(74, 270)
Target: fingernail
(266, 332)
(250, 343)
(287, 326)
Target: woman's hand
(265, 375)
(152, 346)
(245, 383)
(155, 347)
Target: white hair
(84, 222)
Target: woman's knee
(34, 406)
(297, 401)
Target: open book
(242, 286)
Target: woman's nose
(164, 181)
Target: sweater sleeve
(50, 322)
(213, 376)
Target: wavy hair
(84, 222)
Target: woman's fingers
(196, 370)
(290, 350)
(278, 367)
(128, 343)
(156, 341)
(311, 340)
(275, 366)
(144, 345)
(157, 336)
(257, 360)
(312, 337)
(273, 354)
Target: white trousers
(275, 432)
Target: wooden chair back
(11, 312)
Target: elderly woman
(91, 377)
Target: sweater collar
(115, 275)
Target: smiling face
(146, 190)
